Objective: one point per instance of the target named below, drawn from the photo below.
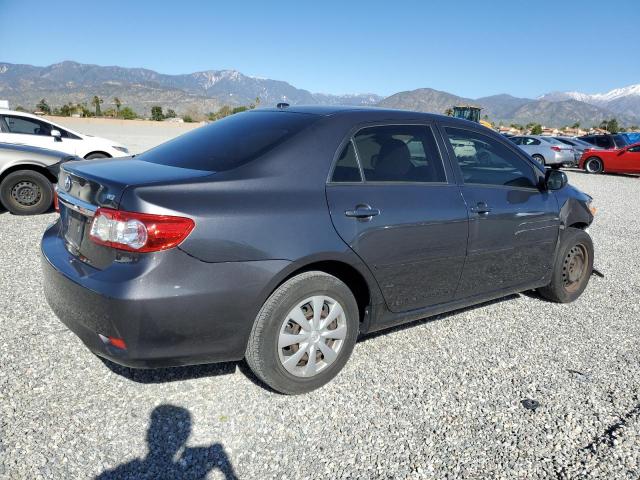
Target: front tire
(304, 333)
(26, 192)
(572, 269)
(593, 165)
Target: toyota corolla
(280, 235)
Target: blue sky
(470, 48)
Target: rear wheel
(593, 165)
(572, 269)
(26, 192)
(304, 333)
(539, 159)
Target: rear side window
(530, 141)
(230, 142)
(487, 161)
(346, 169)
(399, 153)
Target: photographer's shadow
(168, 456)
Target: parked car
(26, 177)
(579, 146)
(606, 141)
(546, 150)
(631, 137)
(27, 129)
(280, 235)
(618, 160)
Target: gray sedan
(26, 177)
(546, 150)
(579, 146)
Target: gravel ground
(436, 399)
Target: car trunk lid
(85, 186)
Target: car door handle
(362, 211)
(481, 208)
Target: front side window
(399, 153)
(487, 161)
(27, 126)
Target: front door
(627, 161)
(513, 225)
(391, 202)
(31, 131)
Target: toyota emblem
(67, 183)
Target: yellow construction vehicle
(471, 113)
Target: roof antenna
(282, 105)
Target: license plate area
(75, 224)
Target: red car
(615, 160)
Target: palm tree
(117, 103)
(449, 112)
(96, 102)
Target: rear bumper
(170, 308)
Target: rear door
(393, 200)
(513, 226)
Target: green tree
(156, 113)
(118, 103)
(240, 109)
(576, 125)
(96, 103)
(66, 110)
(536, 129)
(449, 112)
(187, 119)
(43, 106)
(20, 108)
(612, 126)
(170, 114)
(128, 114)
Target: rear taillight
(138, 232)
(556, 149)
(56, 202)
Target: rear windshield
(230, 142)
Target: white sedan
(27, 129)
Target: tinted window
(620, 141)
(487, 161)
(346, 169)
(399, 153)
(27, 126)
(530, 141)
(604, 142)
(635, 149)
(516, 140)
(565, 141)
(230, 142)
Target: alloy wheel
(593, 165)
(311, 336)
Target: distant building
(4, 104)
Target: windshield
(230, 142)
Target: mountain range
(206, 91)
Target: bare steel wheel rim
(26, 193)
(574, 267)
(311, 336)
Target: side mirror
(56, 135)
(556, 179)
